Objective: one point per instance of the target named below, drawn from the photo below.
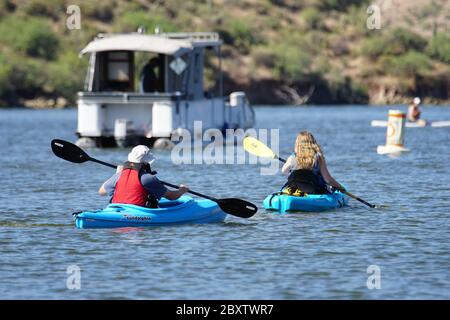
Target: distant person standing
(414, 110)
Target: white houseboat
(143, 88)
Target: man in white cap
(414, 111)
(135, 183)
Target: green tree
(292, 63)
(31, 36)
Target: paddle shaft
(103, 163)
(343, 191)
(357, 198)
(192, 192)
(163, 182)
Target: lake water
(270, 256)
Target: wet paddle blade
(68, 151)
(256, 147)
(237, 207)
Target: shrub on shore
(312, 18)
(240, 34)
(66, 76)
(396, 42)
(24, 78)
(291, 63)
(131, 21)
(409, 64)
(439, 47)
(45, 8)
(31, 36)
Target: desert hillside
(277, 51)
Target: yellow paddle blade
(256, 147)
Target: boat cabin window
(117, 71)
(195, 75)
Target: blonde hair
(306, 150)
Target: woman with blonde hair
(307, 168)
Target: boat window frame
(114, 85)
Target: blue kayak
(183, 210)
(310, 203)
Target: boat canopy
(139, 42)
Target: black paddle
(70, 152)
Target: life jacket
(304, 181)
(129, 188)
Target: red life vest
(129, 188)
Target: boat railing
(130, 97)
(209, 38)
(205, 38)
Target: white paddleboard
(440, 124)
(435, 124)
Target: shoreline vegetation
(277, 51)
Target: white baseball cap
(416, 100)
(141, 154)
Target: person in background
(414, 110)
(307, 168)
(150, 78)
(135, 183)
